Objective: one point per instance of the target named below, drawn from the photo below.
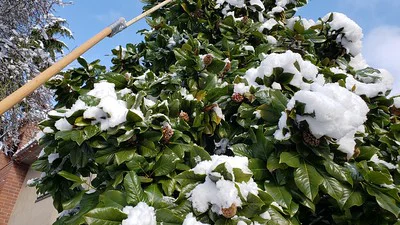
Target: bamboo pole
(17, 96)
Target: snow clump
(306, 23)
(110, 111)
(63, 125)
(218, 192)
(381, 84)
(287, 61)
(330, 110)
(52, 157)
(358, 62)
(229, 6)
(141, 214)
(191, 220)
(350, 35)
(396, 102)
(376, 160)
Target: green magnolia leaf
(350, 197)
(216, 66)
(366, 152)
(124, 156)
(155, 197)
(113, 198)
(148, 149)
(184, 208)
(277, 218)
(253, 206)
(91, 131)
(133, 116)
(189, 177)
(40, 165)
(263, 146)
(291, 159)
(385, 201)
(80, 156)
(273, 162)
(303, 200)
(241, 176)
(72, 203)
(137, 163)
(128, 135)
(242, 150)
(299, 27)
(168, 186)
(78, 136)
(87, 203)
(118, 179)
(308, 179)
(279, 193)
(198, 154)
(165, 165)
(118, 79)
(259, 169)
(71, 177)
(332, 187)
(83, 62)
(221, 172)
(337, 171)
(166, 216)
(378, 177)
(133, 188)
(80, 122)
(105, 216)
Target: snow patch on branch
(141, 214)
(330, 110)
(350, 34)
(287, 61)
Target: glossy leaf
(105, 216)
(133, 188)
(308, 180)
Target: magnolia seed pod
(395, 111)
(245, 19)
(227, 67)
(309, 139)
(229, 212)
(207, 60)
(356, 152)
(236, 97)
(183, 115)
(167, 132)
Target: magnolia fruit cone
(229, 212)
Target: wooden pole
(148, 12)
(17, 96)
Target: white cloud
(382, 50)
(109, 17)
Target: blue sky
(378, 18)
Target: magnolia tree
(29, 43)
(229, 112)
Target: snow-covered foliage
(141, 214)
(304, 71)
(230, 112)
(330, 110)
(219, 189)
(28, 44)
(349, 34)
(191, 220)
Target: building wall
(27, 211)
(12, 176)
